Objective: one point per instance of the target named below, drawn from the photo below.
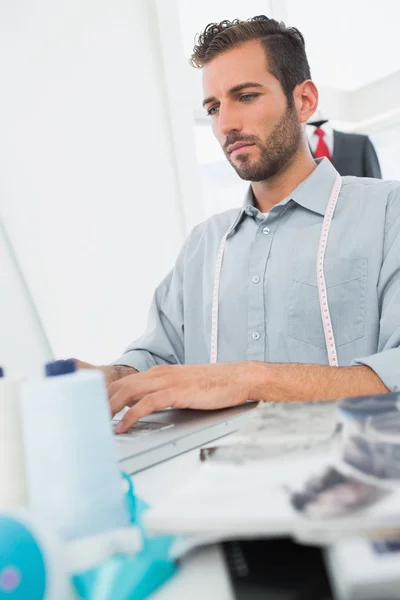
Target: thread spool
(72, 471)
(13, 490)
(31, 560)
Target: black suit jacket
(354, 154)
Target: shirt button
(266, 230)
(250, 211)
(255, 279)
(255, 336)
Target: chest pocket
(346, 281)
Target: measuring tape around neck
(322, 290)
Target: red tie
(322, 148)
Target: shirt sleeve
(386, 362)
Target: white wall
(387, 145)
(89, 186)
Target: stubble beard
(276, 152)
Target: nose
(228, 120)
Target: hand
(111, 372)
(201, 387)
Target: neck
(270, 192)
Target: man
(271, 345)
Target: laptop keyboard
(141, 429)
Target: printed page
(316, 471)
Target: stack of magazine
(325, 473)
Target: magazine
(278, 429)
(318, 471)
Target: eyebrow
(234, 90)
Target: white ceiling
(350, 43)
(194, 16)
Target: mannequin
(350, 153)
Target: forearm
(276, 381)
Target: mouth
(239, 146)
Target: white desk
(202, 574)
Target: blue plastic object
(1, 372)
(60, 367)
(22, 564)
(128, 578)
(134, 577)
(130, 497)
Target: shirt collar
(313, 193)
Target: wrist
(258, 376)
(116, 372)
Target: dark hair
(284, 47)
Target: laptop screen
(24, 346)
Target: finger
(143, 408)
(118, 401)
(141, 382)
(130, 389)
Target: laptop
(170, 432)
(153, 439)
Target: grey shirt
(268, 298)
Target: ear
(305, 96)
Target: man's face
(250, 116)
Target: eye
(212, 111)
(248, 97)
